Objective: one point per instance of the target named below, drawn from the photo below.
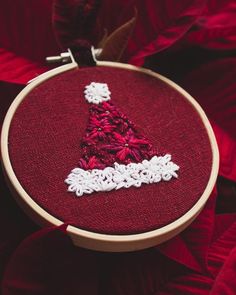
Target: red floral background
(193, 43)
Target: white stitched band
(121, 176)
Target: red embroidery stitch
(110, 137)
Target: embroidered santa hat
(115, 154)
(115, 144)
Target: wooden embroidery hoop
(91, 240)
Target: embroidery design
(97, 93)
(115, 155)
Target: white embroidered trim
(86, 182)
(97, 93)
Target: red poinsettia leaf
(115, 44)
(159, 25)
(66, 269)
(216, 27)
(193, 243)
(222, 259)
(17, 69)
(119, 138)
(221, 262)
(75, 20)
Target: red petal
(83, 164)
(137, 142)
(108, 128)
(94, 122)
(112, 147)
(136, 155)
(122, 154)
(119, 138)
(94, 163)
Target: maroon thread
(111, 137)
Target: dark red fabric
(48, 127)
(25, 30)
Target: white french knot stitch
(121, 176)
(97, 92)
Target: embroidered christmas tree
(115, 154)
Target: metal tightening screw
(64, 57)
